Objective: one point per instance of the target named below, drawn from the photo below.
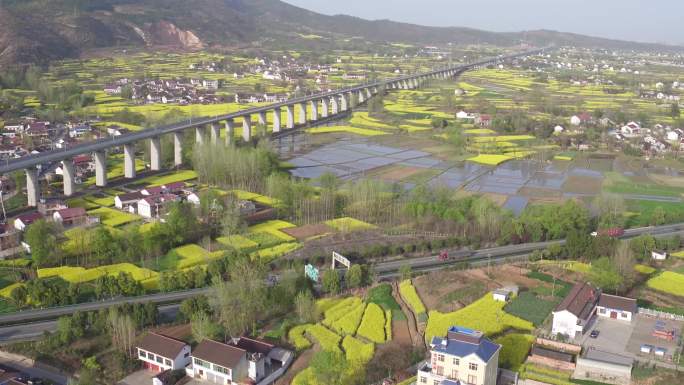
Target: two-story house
(219, 363)
(259, 360)
(573, 315)
(160, 353)
(242, 360)
(464, 356)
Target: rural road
(30, 323)
(35, 330)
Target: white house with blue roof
(463, 357)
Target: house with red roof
(73, 216)
(572, 316)
(154, 206)
(24, 220)
(483, 120)
(159, 352)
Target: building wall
(621, 314)
(237, 373)
(565, 322)
(602, 372)
(168, 363)
(485, 374)
(550, 362)
(144, 210)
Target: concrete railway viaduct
(321, 105)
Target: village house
(659, 255)
(631, 130)
(210, 84)
(48, 206)
(615, 307)
(68, 217)
(160, 353)
(483, 120)
(463, 356)
(24, 220)
(354, 76)
(604, 367)
(258, 356)
(169, 188)
(154, 206)
(464, 115)
(219, 363)
(116, 130)
(248, 98)
(571, 317)
(128, 201)
(241, 361)
(9, 240)
(113, 89)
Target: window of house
(142, 354)
(624, 314)
(440, 357)
(150, 356)
(439, 370)
(160, 360)
(472, 379)
(437, 382)
(456, 361)
(167, 362)
(423, 380)
(201, 363)
(602, 310)
(186, 355)
(472, 366)
(221, 369)
(454, 374)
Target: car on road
(594, 333)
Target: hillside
(44, 30)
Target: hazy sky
(637, 20)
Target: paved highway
(58, 155)
(35, 330)
(24, 319)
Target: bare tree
(122, 330)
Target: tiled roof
(485, 349)
(252, 345)
(129, 197)
(219, 353)
(30, 217)
(580, 301)
(73, 212)
(162, 345)
(618, 303)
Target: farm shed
(552, 358)
(659, 255)
(604, 367)
(616, 307)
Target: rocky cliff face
(167, 34)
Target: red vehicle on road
(613, 232)
(443, 255)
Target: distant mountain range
(37, 31)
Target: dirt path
(416, 337)
(299, 364)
